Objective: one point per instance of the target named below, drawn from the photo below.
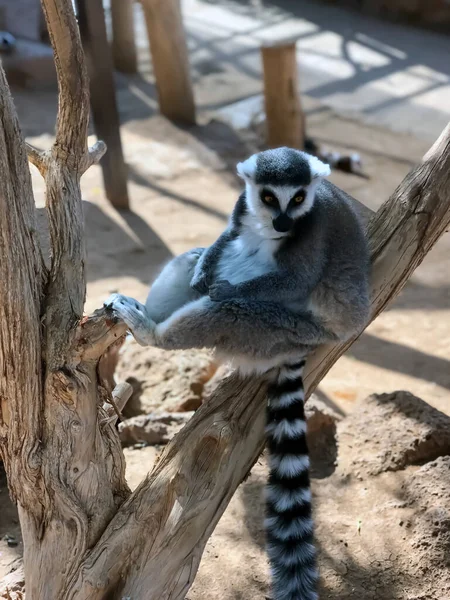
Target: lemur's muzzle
(282, 223)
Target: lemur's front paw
(199, 283)
(134, 316)
(222, 290)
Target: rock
(428, 491)
(222, 372)
(152, 429)
(11, 540)
(13, 584)
(388, 432)
(321, 436)
(164, 381)
(320, 416)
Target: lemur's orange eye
(298, 199)
(269, 199)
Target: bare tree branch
(179, 504)
(95, 153)
(96, 334)
(64, 462)
(114, 406)
(69, 159)
(73, 109)
(36, 158)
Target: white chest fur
(248, 256)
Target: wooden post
(170, 59)
(91, 20)
(285, 121)
(123, 45)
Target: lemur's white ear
(247, 169)
(318, 168)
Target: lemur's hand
(222, 290)
(133, 314)
(199, 282)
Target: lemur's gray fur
(290, 272)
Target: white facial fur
(260, 217)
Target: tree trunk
(82, 528)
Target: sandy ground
(182, 188)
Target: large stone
(321, 417)
(164, 381)
(388, 432)
(322, 423)
(152, 429)
(428, 490)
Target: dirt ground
(382, 532)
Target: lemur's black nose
(282, 223)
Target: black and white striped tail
(289, 524)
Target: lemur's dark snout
(282, 223)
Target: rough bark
(22, 276)
(65, 468)
(82, 528)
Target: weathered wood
(116, 403)
(170, 59)
(180, 503)
(55, 452)
(285, 121)
(22, 278)
(91, 20)
(123, 43)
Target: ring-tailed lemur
(290, 272)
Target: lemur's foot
(221, 290)
(134, 315)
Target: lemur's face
(280, 188)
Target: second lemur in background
(290, 272)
